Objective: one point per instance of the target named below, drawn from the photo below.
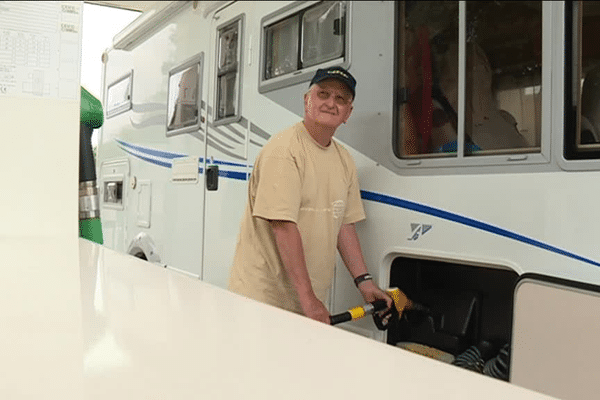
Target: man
(303, 201)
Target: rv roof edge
(146, 24)
(210, 6)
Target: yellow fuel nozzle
(401, 302)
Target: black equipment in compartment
(467, 306)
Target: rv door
(226, 143)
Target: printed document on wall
(40, 43)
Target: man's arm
(349, 247)
(291, 251)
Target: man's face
(328, 103)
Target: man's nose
(330, 102)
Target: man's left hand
(371, 292)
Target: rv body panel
(556, 316)
(227, 141)
(526, 216)
(168, 210)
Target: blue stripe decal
(379, 198)
(421, 208)
(225, 174)
(153, 152)
(233, 175)
(171, 155)
(232, 164)
(150, 160)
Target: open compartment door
(555, 337)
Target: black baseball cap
(338, 73)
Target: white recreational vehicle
(475, 132)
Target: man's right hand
(315, 309)
(289, 243)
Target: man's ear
(349, 112)
(306, 100)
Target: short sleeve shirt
(294, 179)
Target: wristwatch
(362, 278)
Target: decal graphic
(418, 230)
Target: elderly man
(303, 201)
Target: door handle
(212, 177)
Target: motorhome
(475, 132)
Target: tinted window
(183, 98)
(228, 71)
(119, 96)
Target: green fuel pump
(91, 117)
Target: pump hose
(91, 117)
(470, 359)
(497, 367)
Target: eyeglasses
(339, 99)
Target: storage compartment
(468, 316)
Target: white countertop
(83, 322)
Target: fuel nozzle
(401, 304)
(358, 312)
(382, 320)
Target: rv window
(228, 71)
(228, 44)
(282, 47)
(583, 113)
(183, 98)
(504, 74)
(429, 74)
(502, 81)
(184, 94)
(119, 96)
(226, 89)
(323, 30)
(300, 38)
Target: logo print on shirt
(337, 208)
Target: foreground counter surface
(85, 322)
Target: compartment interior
(467, 312)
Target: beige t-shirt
(294, 179)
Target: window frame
(437, 162)
(240, 20)
(112, 112)
(302, 44)
(303, 74)
(199, 60)
(573, 152)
